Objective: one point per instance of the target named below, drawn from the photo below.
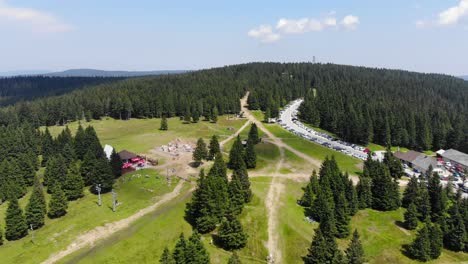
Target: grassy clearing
(376, 147)
(267, 156)
(146, 239)
(84, 215)
(142, 135)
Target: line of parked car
(288, 120)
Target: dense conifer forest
(15, 89)
(361, 105)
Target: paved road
(288, 120)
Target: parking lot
(288, 120)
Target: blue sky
(419, 35)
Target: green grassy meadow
(134, 192)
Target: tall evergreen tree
(58, 204)
(411, 192)
(355, 252)
(166, 257)
(423, 202)
(214, 115)
(243, 176)
(213, 148)
(435, 194)
(323, 249)
(341, 216)
(73, 185)
(36, 208)
(198, 252)
(364, 192)
(200, 153)
(351, 197)
(16, 226)
(420, 248)
(236, 155)
(436, 241)
(56, 170)
(47, 146)
(231, 235)
(455, 236)
(411, 217)
(253, 134)
(163, 125)
(80, 146)
(250, 155)
(116, 164)
(393, 164)
(180, 250)
(236, 195)
(310, 191)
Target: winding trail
(102, 232)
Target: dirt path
(101, 232)
(243, 102)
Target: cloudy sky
(419, 35)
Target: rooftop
(125, 155)
(457, 156)
(408, 156)
(424, 162)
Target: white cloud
(285, 26)
(264, 33)
(38, 21)
(350, 22)
(453, 14)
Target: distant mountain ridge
(103, 73)
(464, 77)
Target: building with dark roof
(126, 155)
(456, 157)
(407, 157)
(418, 160)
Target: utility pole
(98, 189)
(114, 200)
(32, 233)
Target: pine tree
(236, 195)
(27, 167)
(420, 248)
(351, 197)
(166, 257)
(234, 259)
(310, 191)
(214, 115)
(231, 234)
(243, 176)
(48, 147)
(355, 252)
(163, 125)
(56, 170)
(102, 175)
(73, 185)
(393, 164)
(180, 250)
(385, 190)
(267, 115)
(58, 202)
(68, 154)
(422, 202)
(199, 253)
(16, 226)
(411, 217)
(435, 194)
(213, 148)
(341, 216)
(87, 168)
(253, 134)
(323, 249)
(455, 236)
(116, 164)
(411, 192)
(200, 153)
(187, 115)
(36, 208)
(364, 192)
(436, 241)
(200, 211)
(250, 155)
(80, 146)
(196, 116)
(236, 155)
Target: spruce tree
(236, 195)
(198, 251)
(267, 115)
(200, 153)
(231, 235)
(250, 155)
(116, 164)
(364, 192)
(243, 176)
(87, 168)
(213, 148)
(56, 170)
(393, 164)
(166, 257)
(355, 252)
(236, 155)
(163, 125)
(253, 134)
(36, 208)
(411, 192)
(455, 236)
(73, 185)
(180, 250)
(102, 175)
(16, 226)
(310, 191)
(323, 249)
(68, 154)
(435, 194)
(420, 247)
(200, 211)
(27, 167)
(351, 197)
(58, 202)
(411, 217)
(341, 216)
(234, 259)
(214, 115)
(423, 203)
(80, 146)
(48, 147)
(436, 241)
(385, 190)
(187, 115)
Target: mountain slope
(103, 73)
